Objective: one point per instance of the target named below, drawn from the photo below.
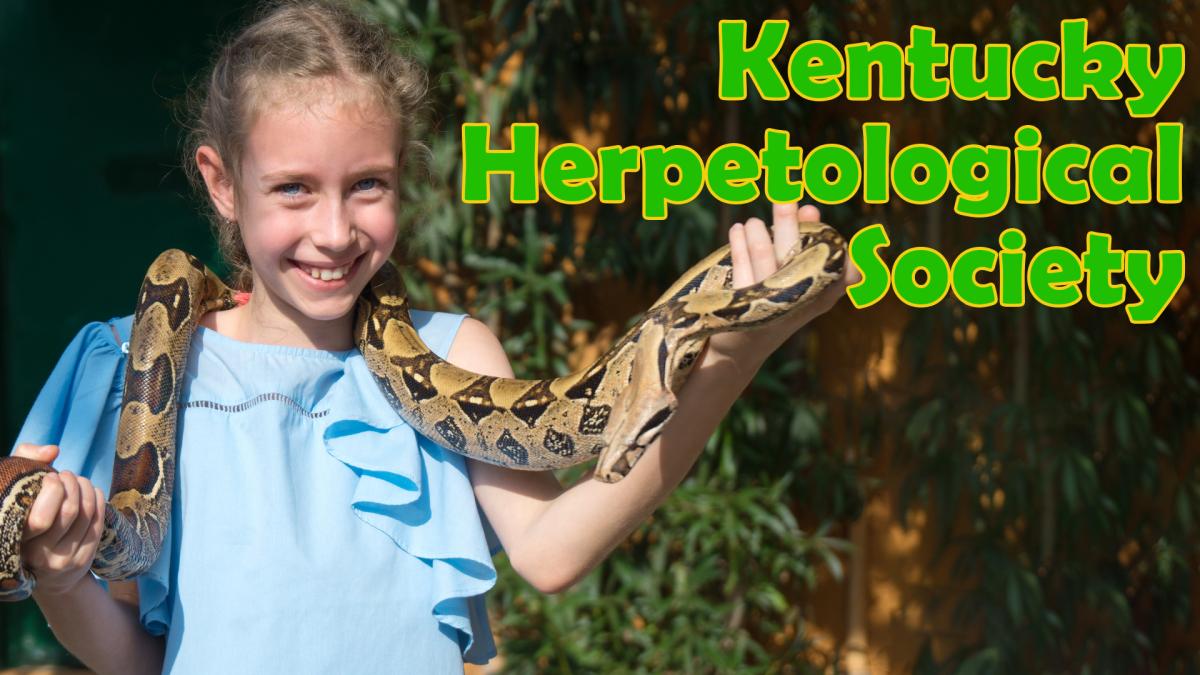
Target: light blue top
(312, 529)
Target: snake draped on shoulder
(610, 411)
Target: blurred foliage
(1053, 450)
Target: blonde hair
(291, 46)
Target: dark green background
(90, 188)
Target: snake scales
(613, 409)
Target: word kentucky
(816, 68)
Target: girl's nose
(334, 229)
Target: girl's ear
(220, 186)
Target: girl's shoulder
(91, 359)
(437, 329)
(76, 406)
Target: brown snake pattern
(612, 409)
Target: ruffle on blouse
(406, 492)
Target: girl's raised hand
(64, 526)
(756, 255)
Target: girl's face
(317, 207)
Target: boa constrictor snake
(612, 409)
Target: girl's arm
(102, 632)
(61, 536)
(554, 537)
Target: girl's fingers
(86, 553)
(87, 505)
(78, 548)
(101, 507)
(762, 251)
(77, 536)
(69, 511)
(44, 512)
(40, 453)
(743, 273)
(784, 229)
(852, 274)
(809, 214)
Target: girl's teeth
(328, 274)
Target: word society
(921, 276)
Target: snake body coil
(614, 409)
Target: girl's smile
(328, 275)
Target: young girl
(312, 529)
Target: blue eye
(294, 190)
(285, 189)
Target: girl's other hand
(64, 526)
(756, 255)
